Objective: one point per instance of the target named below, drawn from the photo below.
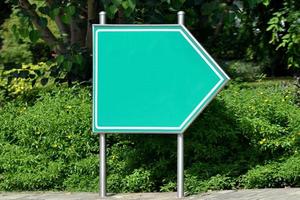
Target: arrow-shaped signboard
(150, 78)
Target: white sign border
(191, 116)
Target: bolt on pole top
(180, 16)
(102, 17)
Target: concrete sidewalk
(257, 194)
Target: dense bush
(275, 174)
(247, 137)
(53, 134)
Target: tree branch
(91, 5)
(77, 33)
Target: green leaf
(15, 31)
(131, 4)
(78, 59)
(125, 4)
(24, 32)
(266, 2)
(271, 27)
(274, 20)
(111, 11)
(66, 19)
(117, 2)
(60, 59)
(14, 28)
(70, 10)
(67, 65)
(53, 13)
(34, 36)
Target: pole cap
(180, 12)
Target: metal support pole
(180, 166)
(180, 142)
(102, 180)
(102, 170)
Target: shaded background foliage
(261, 31)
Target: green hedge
(247, 137)
(41, 142)
(275, 174)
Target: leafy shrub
(21, 81)
(44, 149)
(218, 182)
(247, 125)
(87, 168)
(275, 174)
(22, 170)
(194, 184)
(267, 116)
(170, 186)
(138, 181)
(245, 71)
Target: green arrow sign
(150, 78)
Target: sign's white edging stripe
(197, 50)
(93, 120)
(201, 47)
(201, 55)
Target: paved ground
(263, 194)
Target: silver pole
(180, 166)
(180, 142)
(102, 170)
(102, 180)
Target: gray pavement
(257, 194)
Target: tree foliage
(285, 28)
(265, 31)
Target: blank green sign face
(150, 79)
